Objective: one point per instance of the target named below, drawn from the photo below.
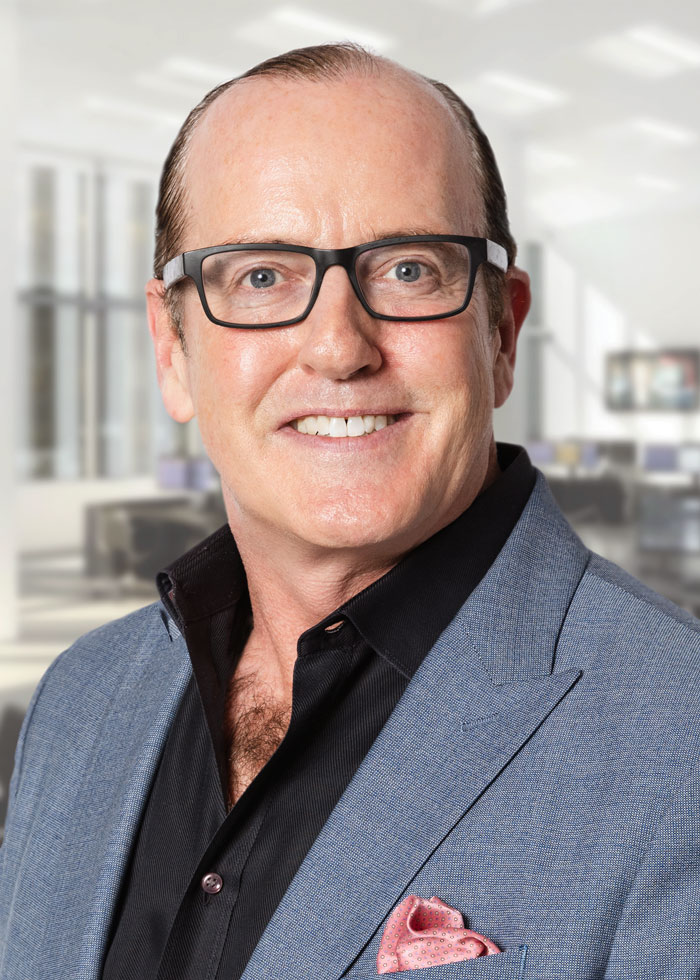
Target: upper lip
(342, 413)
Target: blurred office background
(594, 113)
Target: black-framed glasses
(421, 277)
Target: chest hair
(256, 721)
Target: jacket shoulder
(113, 642)
(619, 627)
(105, 663)
(127, 628)
(626, 591)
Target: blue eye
(407, 271)
(262, 278)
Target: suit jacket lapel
(106, 823)
(477, 697)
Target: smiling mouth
(340, 427)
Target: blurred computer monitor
(589, 455)
(568, 453)
(202, 475)
(622, 452)
(663, 380)
(689, 458)
(541, 452)
(660, 458)
(172, 472)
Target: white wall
(51, 513)
(630, 282)
(647, 265)
(510, 420)
(8, 319)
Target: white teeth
(337, 427)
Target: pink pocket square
(427, 932)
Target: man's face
(333, 165)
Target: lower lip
(370, 440)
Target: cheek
(452, 363)
(233, 371)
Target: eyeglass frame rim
(189, 265)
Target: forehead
(329, 163)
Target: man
(397, 672)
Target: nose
(339, 336)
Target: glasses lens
(258, 287)
(416, 279)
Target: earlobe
(171, 363)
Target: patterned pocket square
(427, 932)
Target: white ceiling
(601, 98)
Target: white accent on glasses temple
(497, 255)
(173, 270)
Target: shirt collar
(403, 613)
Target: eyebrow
(391, 233)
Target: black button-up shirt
(204, 881)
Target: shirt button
(212, 883)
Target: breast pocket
(509, 965)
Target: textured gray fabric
(540, 774)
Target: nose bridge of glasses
(326, 258)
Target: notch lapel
(478, 695)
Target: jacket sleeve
(658, 934)
(19, 750)
(14, 823)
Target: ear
(171, 363)
(517, 304)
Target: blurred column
(532, 340)
(510, 420)
(8, 319)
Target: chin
(347, 527)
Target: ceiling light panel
(198, 71)
(653, 183)
(512, 95)
(685, 52)
(131, 111)
(647, 50)
(170, 86)
(540, 159)
(661, 132)
(488, 8)
(293, 26)
(574, 204)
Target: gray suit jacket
(540, 774)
